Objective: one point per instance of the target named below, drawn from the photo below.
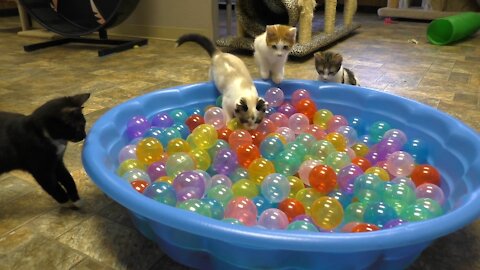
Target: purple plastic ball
(137, 126)
(225, 162)
(162, 120)
(287, 109)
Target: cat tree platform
(254, 15)
(429, 10)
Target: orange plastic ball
(239, 137)
(292, 208)
(224, 133)
(365, 227)
(323, 178)
(139, 185)
(257, 137)
(247, 153)
(425, 173)
(306, 106)
(362, 162)
(194, 121)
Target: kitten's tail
(203, 41)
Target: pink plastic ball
(298, 95)
(189, 185)
(215, 117)
(400, 163)
(274, 96)
(298, 122)
(267, 126)
(273, 219)
(239, 137)
(432, 191)
(335, 122)
(221, 179)
(318, 132)
(287, 133)
(243, 209)
(157, 170)
(129, 151)
(279, 119)
(346, 178)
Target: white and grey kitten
(330, 69)
(233, 81)
(272, 49)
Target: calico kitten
(36, 143)
(330, 69)
(233, 81)
(272, 49)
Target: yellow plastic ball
(380, 172)
(360, 149)
(338, 140)
(202, 159)
(204, 136)
(245, 188)
(178, 145)
(307, 196)
(321, 117)
(130, 164)
(149, 150)
(259, 169)
(296, 184)
(327, 213)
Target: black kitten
(36, 143)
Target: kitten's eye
(285, 47)
(274, 47)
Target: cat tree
(428, 10)
(254, 15)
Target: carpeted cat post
(254, 15)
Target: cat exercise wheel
(254, 15)
(73, 19)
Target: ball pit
(202, 242)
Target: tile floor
(35, 233)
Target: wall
(168, 19)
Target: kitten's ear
(318, 56)
(261, 105)
(80, 99)
(241, 106)
(337, 58)
(271, 31)
(292, 33)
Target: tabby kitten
(232, 79)
(330, 69)
(36, 143)
(272, 49)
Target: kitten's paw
(277, 79)
(78, 203)
(264, 74)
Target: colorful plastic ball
(432, 191)
(317, 131)
(292, 208)
(157, 169)
(335, 122)
(287, 162)
(128, 165)
(396, 135)
(215, 207)
(190, 183)
(224, 133)
(201, 158)
(257, 137)
(239, 137)
(305, 169)
(365, 227)
(354, 212)
(232, 221)
(219, 145)
(306, 139)
(278, 136)
(220, 179)
(162, 120)
(287, 133)
(178, 163)
(196, 110)
(273, 219)
(303, 217)
(306, 107)
(337, 140)
(259, 169)
(182, 129)
(394, 223)
(139, 185)
(322, 178)
(379, 213)
(348, 226)
(377, 130)
(398, 196)
(194, 121)
(162, 192)
(263, 204)
(206, 177)
(301, 225)
(360, 149)
(178, 115)
(246, 154)
(349, 133)
(243, 209)
(424, 173)
(298, 122)
(275, 187)
(221, 193)
(129, 151)
(367, 140)
(296, 184)
(238, 174)
(298, 95)
(321, 149)
(327, 213)
(404, 181)
(225, 162)
(307, 196)
(234, 124)
(418, 149)
(137, 126)
(400, 163)
(178, 145)
(361, 162)
(136, 175)
(337, 160)
(274, 96)
(378, 171)
(358, 124)
(215, 117)
(346, 178)
(154, 132)
(367, 188)
(431, 205)
(168, 134)
(279, 119)
(218, 101)
(321, 118)
(422, 209)
(287, 109)
(204, 136)
(196, 206)
(374, 156)
(246, 188)
(389, 145)
(166, 179)
(267, 126)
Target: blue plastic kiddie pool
(205, 243)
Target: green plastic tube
(449, 29)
